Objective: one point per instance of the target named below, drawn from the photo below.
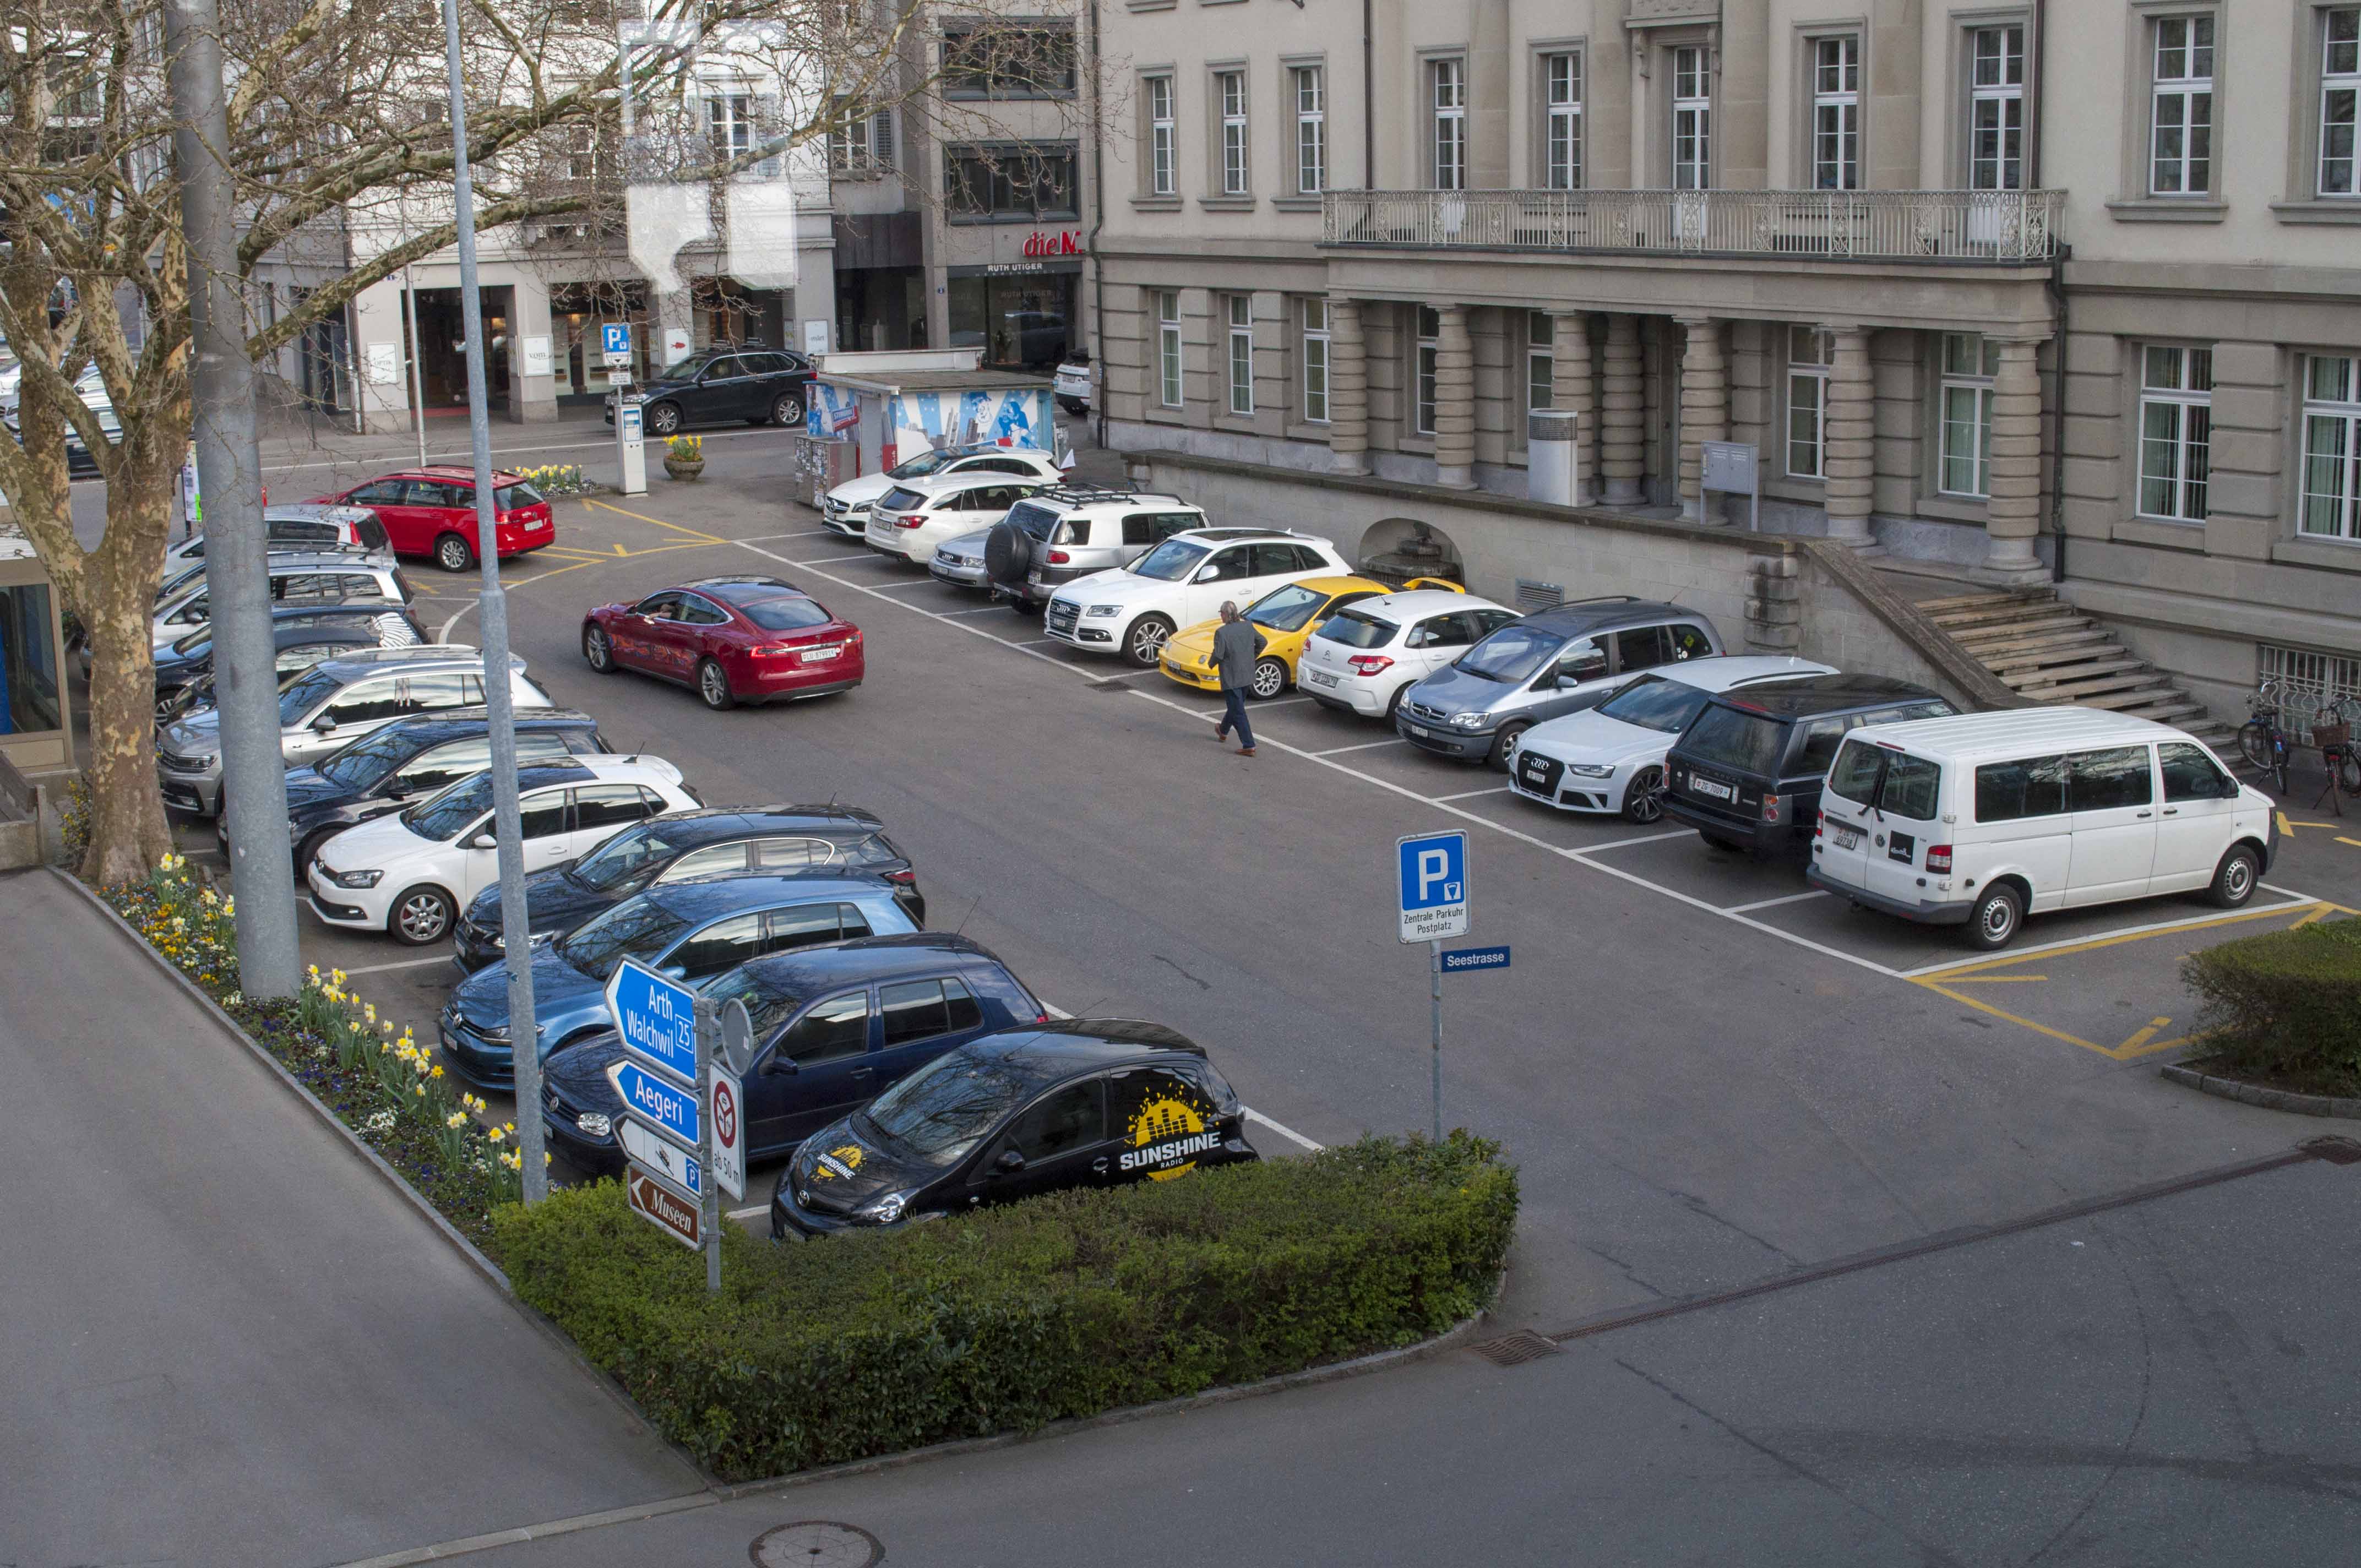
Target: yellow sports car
(1287, 616)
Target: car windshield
(1733, 738)
(368, 759)
(786, 613)
(1510, 655)
(941, 1112)
(627, 854)
(1170, 561)
(769, 1002)
(1652, 702)
(1288, 608)
(440, 817)
(314, 688)
(919, 467)
(1357, 628)
(636, 928)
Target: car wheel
(1393, 703)
(422, 915)
(663, 418)
(1146, 638)
(1993, 923)
(2235, 878)
(786, 409)
(713, 685)
(599, 649)
(1501, 742)
(1269, 679)
(453, 553)
(1644, 799)
(308, 851)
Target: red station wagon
(432, 511)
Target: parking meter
(631, 450)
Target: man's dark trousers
(1233, 717)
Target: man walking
(1236, 646)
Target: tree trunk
(127, 831)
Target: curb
(2268, 1099)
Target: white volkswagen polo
(1611, 758)
(409, 874)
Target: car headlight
(491, 1033)
(1104, 610)
(356, 879)
(1468, 721)
(595, 1123)
(1591, 770)
(888, 1209)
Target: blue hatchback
(834, 1028)
(690, 930)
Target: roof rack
(1082, 494)
(1600, 598)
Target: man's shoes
(1246, 751)
(1221, 737)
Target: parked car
(959, 562)
(689, 931)
(720, 841)
(721, 386)
(845, 509)
(1611, 758)
(1077, 1103)
(410, 760)
(910, 520)
(296, 649)
(1981, 820)
(834, 1028)
(432, 512)
(730, 640)
(1558, 662)
(296, 579)
(1285, 618)
(191, 659)
(329, 707)
(1364, 657)
(1747, 772)
(1075, 381)
(409, 874)
(1131, 610)
(303, 525)
(90, 386)
(1056, 536)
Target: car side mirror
(323, 725)
(483, 841)
(1008, 1164)
(675, 972)
(1209, 574)
(780, 1067)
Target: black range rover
(1747, 772)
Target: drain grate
(816, 1543)
(1512, 1350)
(2334, 1149)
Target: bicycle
(2260, 739)
(2333, 733)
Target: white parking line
(757, 1212)
(1280, 702)
(1283, 1130)
(916, 583)
(1472, 794)
(1770, 902)
(1364, 746)
(1627, 843)
(405, 963)
(1038, 642)
(823, 560)
(987, 610)
(807, 533)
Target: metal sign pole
(417, 387)
(1434, 958)
(708, 1063)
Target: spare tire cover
(1007, 553)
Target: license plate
(1421, 734)
(1536, 770)
(1848, 840)
(1321, 678)
(1718, 791)
(815, 655)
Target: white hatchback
(910, 521)
(1366, 654)
(1611, 758)
(409, 874)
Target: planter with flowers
(685, 457)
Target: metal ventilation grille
(1550, 424)
(1532, 596)
(1512, 1350)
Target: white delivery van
(1980, 819)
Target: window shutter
(881, 138)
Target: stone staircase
(2044, 651)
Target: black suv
(738, 841)
(409, 759)
(1747, 772)
(759, 385)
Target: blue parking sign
(1433, 872)
(615, 338)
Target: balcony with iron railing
(1993, 227)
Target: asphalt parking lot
(1708, 1071)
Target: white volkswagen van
(1980, 819)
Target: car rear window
(510, 496)
(1037, 521)
(1732, 737)
(1891, 781)
(899, 500)
(1358, 629)
(785, 613)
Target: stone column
(1705, 409)
(1571, 388)
(1622, 445)
(1849, 443)
(1454, 401)
(1348, 388)
(2013, 515)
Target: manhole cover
(2335, 1150)
(1523, 1345)
(816, 1543)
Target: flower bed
(555, 479)
(385, 1088)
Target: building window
(1430, 333)
(2332, 448)
(1810, 352)
(1160, 133)
(1230, 89)
(1311, 85)
(1970, 363)
(1692, 118)
(2334, 678)
(1168, 347)
(2180, 133)
(2176, 429)
(1540, 359)
(1241, 356)
(1003, 61)
(1447, 97)
(1836, 113)
(1997, 109)
(1018, 181)
(2340, 94)
(1562, 129)
(729, 119)
(1316, 361)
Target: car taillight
(911, 518)
(903, 878)
(1770, 809)
(1938, 859)
(1369, 663)
(771, 651)
(1820, 825)
(1059, 558)
(853, 638)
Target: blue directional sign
(1433, 868)
(1464, 961)
(650, 1100)
(657, 1018)
(615, 338)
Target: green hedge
(2286, 1005)
(1007, 1319)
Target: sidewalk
(223, 1338)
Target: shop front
(36, 729)
(1022, 314)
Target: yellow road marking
(2128, 1052)
(2311, 918)
(2144, 1035)
(1998, 979)
(2011, 1018)
(697, 534)
(2355, 842)
(2285, 825)
(1978, 966)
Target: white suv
(846, 508)
(1132, 609)
(910, 520)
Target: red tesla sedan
(731, 640)
(432, 511)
